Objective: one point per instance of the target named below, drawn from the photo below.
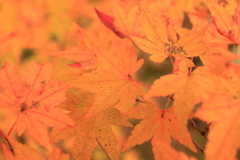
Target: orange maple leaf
(113, 81)
(222, 110)
(221, 18)
(34, 99)
(123, 24)
(189, 89)
(162, 40)
(157, 123)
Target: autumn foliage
(75, 79)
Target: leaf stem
(9, 144)
(169, 97)
(141, 83)
(13, 126)
(170, 57)
(103, 149)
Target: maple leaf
(113, 80)
(129, 22)
(223, 111)
(182, 83)
(34, 99)
(162, 40)
(89, 130)
(221, 18)
(122, 24)
(225, 25)
(160, 124)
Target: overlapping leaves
(223, 21)
(189, 89)
(162, 40)
(92, 129)
(159, 124)
(34, 98)
(23, 152)
(222, 110)
(113, 81)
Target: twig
(203, 133)
(195, 126)
(190, 70)
(199, 147)
(103, 149)
(138, 100)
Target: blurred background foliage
(32, 29)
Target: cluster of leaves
(86, 106)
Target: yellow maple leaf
(89, 130)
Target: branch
(206, 129)
(199, 147)
(139, 100)
(203, 133)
